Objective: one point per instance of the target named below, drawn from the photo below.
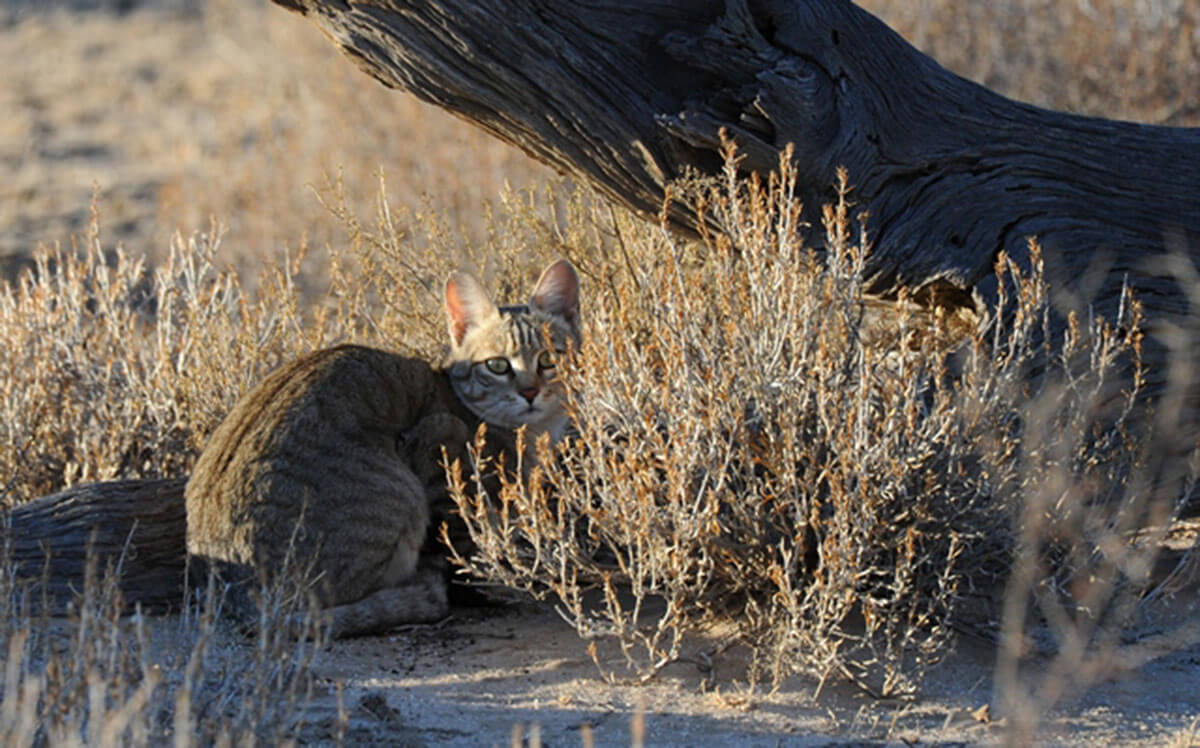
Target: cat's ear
(557, 293)
(467, 305)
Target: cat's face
(503, 360)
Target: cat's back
(339, 392)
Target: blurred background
(174, 112)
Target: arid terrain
(468, 683)
(177, 116)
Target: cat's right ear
(467, 305)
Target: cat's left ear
(557, 293)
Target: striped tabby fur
(328, 465)
(331, 464)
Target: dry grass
(109, 376)
(119, 371)
(100, 678)
(240, 111)
(1106, 58)
(757, 466)
(755, 458)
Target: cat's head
(503, 360)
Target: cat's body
(329, 467)
(332, 463)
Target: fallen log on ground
(136, 528)
(629, 95)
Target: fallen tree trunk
(629, 94)
(136, 528)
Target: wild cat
(333, 461)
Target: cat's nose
(529, 393)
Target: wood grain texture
(628, 94)
(136, 526)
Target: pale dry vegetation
(769, 459)
(239, 111)
(103, 678)
(119, 371)
(766, 460)
(1120, 59)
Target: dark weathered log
(136, 528)
(629, 93)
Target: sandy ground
(148, 146)
(469, 681)
(242, 113)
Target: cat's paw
(421, 598)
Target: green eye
(498, 365)
(545, 360)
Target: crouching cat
(333, 463)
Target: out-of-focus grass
(239, 111)
(1120, 59)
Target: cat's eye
(498, 365)
(545, 360)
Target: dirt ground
(470, 681)
(237, 114)
(164, 117)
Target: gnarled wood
(629, 93)
(139, 528)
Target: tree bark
(138, 528)
(628, 94)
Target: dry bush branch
(763, 448)
(119, 371)
(765, 456)
(102, 678)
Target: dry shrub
(1106, 58)
(115, 370)
(756, 462)
(102, 678)
(765, 457)
(768, 457)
